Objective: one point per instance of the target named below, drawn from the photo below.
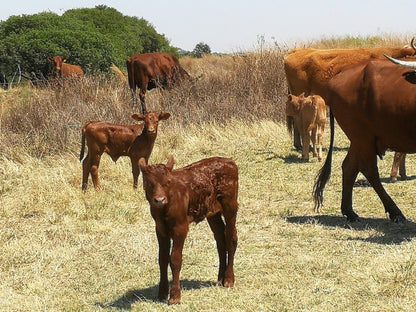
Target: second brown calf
(310, 117)
(135, 141)
(205, 189)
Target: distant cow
(311, 112)
(205, 189)
(63, 70)
(310, 70)
(116, 140)
(152, 70)
(375, 104)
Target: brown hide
(309, 70)
(152, 70)
(205, 189)
(117, 140)
(61, 69)
(311, 112)
(375, 105)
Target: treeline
(92, 38)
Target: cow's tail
(325, 173)
(81, 153)
(131, 78)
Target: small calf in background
(135, 141)
(205, 189)
(310, 117)
(63, 70)
(399, 165)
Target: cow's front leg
(179, 234)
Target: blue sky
(235, 25)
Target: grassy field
(65, 250)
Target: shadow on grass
(387, 180)
(126, 301)
(392, 233)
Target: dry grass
(65, 250)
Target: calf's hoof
(175, 300)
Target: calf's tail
(325, 173)
(81, 154)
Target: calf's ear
(50, 59)
(170, 163)
(164, 116)
(138, 117)
(142, 164)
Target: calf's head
(157, 180)
(57, 62)
(151, 121)
(294, 104)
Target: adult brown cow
(311, 111)
(309, 70)
(64, 70)
(135, 141)
(375, 105)
(152, 70)
(205, 189)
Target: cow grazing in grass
(375, 105)
(152, 70)
(116, 140)
(205, 189)
(63, 70)
(310, 70)
(311, 112)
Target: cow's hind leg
(370, 171)
(218, 228)
(349, 174)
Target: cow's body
(205, 189)
(309, 70)
(311, 112)
(375, 105)
(135, 141)
(152, 70)
(64, 70)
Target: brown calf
(116, 140)
(399, 165)
(310, 114)
(61, 69)
(205, 189)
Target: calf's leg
(178, 236)
(230, 208)
(218, 228)
(86, 167)
(305, 143)
(164, 249)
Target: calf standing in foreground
(116, 140)
(310, 118)
(205, 189)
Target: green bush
(92, 38)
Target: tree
(92, 38)
(201, 49)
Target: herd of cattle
(373, 100)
